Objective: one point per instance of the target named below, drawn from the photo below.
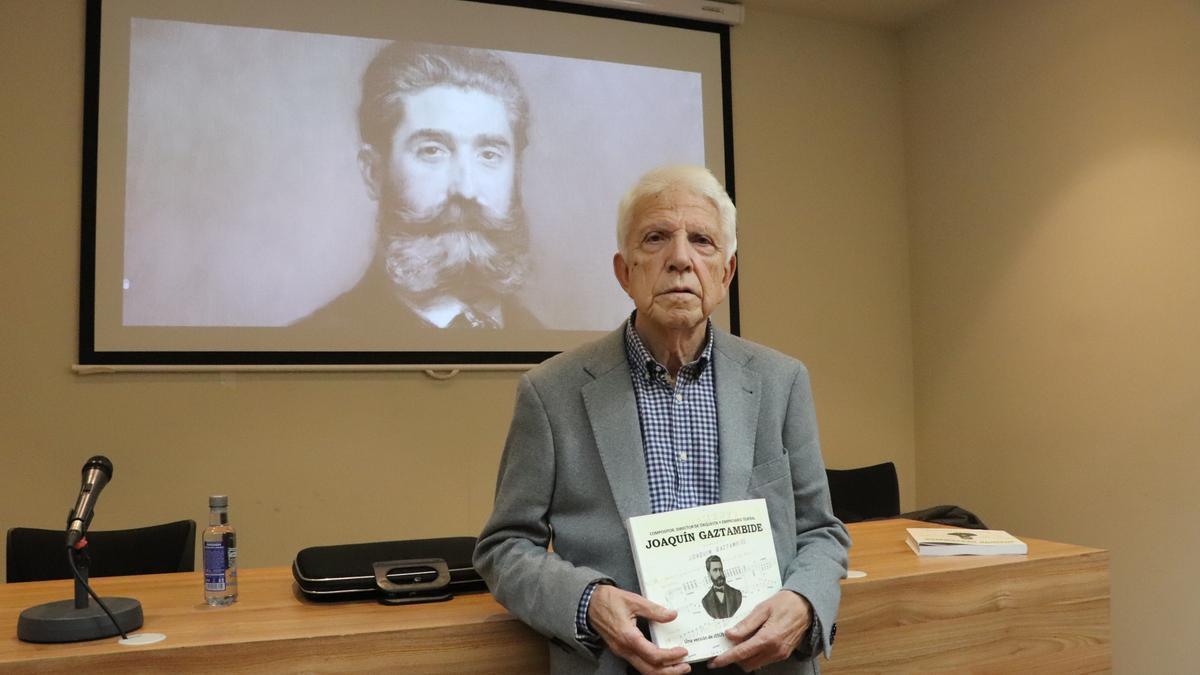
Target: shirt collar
(442, 311)
(641, 362)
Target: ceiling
(886, 13)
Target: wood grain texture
(1044, 612)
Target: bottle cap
(218, 501)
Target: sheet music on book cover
(712, 564)
(961, 541)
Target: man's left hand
(769, 633)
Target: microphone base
(60, 621)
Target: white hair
(696, 179)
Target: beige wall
(326, 458)
(820, 183)
(1054, 184)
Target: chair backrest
(38, 555)
(864, 493)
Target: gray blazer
(573, 471)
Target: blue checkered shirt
(679, 435)
(679, 426)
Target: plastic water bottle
(220, 554)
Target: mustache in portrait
(461, 249)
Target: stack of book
(959, 541)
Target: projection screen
(377, 182)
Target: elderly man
(666, 412)
(442, 129)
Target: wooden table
(1047, 611)
(272, 628)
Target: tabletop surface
(878, 549)
(270, 608)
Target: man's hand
(774, 628)
(613, 614)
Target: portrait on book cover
(722, 600)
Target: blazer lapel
(738, 393)
(612, 413)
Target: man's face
(452, 142)
(450, 221)
(674, 268)
(716, 573)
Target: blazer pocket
(770, 471)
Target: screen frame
(92, 359)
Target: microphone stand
(77, 620)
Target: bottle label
(215, 562)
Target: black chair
(864, 493)
(39, 555)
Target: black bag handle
(397, 594)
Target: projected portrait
(310, 192)
(443, 130)
(722, 600)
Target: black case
(395, 572)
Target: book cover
(961, 541)
(712, 564)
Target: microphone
(97, 471)
(76, 620)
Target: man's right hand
(613, 614)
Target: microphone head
(97, 471)
(101, 463)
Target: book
(712, 564)
(960, 541)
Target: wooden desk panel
(1045, 612)
(271, 628)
